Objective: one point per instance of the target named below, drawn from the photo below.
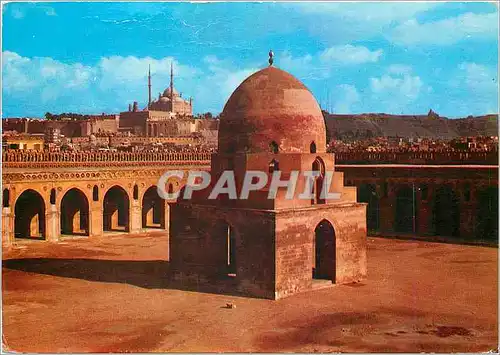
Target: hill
(430, 125)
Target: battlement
(31, 159)
(436, 158)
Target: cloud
(447, 31)
(473, 89)
(397, 89)
(219, 81)
(349, 54)
(341, 22)
(399, 69)
(20, 10)
(37, 85)
(17, 13)
(346, 96)
(373, 12)
(45, 74)
(319, 66)
(480, 77)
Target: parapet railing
(32, 159)
(447, 157)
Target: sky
(398, 58)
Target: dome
(271, 107)
(166, 93)
(164, 99)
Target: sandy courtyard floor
(107, 295)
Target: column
(52, 224)
(135, 216)
(95, 218)
(7, 227)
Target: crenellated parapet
(36, 159)
(418, 157)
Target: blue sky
(400, 58)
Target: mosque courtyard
(109, 295)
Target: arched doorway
(368, 193)
(324, 249)
(446, 213)
(319, 167)
(116, 210)
(487, 214)
(29, 220)
(75, 213)
(153, 209)
(405, 210)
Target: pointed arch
(319, 167)
(324, 251)
(74, 209)
(153, 209)
(116, 206)
(29, 215)
(312, 147)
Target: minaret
(172, 87)
(149, 87)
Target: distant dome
(164, 99)
(271, 105)
(167, 92)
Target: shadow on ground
(150, 274)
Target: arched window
(318, 166)
(136, 192)
(53, 196)
(6, 198)
(170, 188)
(273, 147)
(274, 165)
(95, 193)
(312, 148)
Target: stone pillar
(35, 226)
(135, 219)
(52, 224)
(95, 219)
(77, 222)
(7, 227)
(114, 220)
(150, 217)
(166, 221)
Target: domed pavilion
(270, 247)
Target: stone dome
(166, 93)
(271, 107)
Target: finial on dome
(271, 55)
